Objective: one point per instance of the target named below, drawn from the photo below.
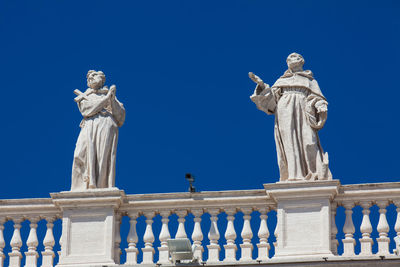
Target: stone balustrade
(227, 227)
(16, 212)
(228, 204)
(366, 196)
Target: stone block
(88, 227)
(304, 217)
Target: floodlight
(180, 249)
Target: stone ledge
(302, 190)
(368, 261)
(89, 198)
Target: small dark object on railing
(259, 261)
(382, 257)
(190, 179)
(158, 264)
(325, 258)
(203, 263)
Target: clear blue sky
(181, 71)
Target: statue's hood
(305, 73)
(302, 79)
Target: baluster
(263, 234)
(148, 238)
(16, 243)
(348, 229)
(366, 230)
(32, 243)
(132, 251)
(117, 240)
(164, 236)
(397, 225)
(213, 236)
(197, 235)
(2, 241)
(60, 241)
(383, 229)
(48, 242)
(334, 230)
(230, 236)
(247, 235)
(181, 233)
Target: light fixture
(190, 179)
(180, 249)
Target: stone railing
(227, 227)
(366, 196)
(230, 203)
(17, 211)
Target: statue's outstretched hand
(261, 85)
(255, 78)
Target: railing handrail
(252, 197)
(369, 192)
(28, 207)
(206, 199)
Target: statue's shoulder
(308, 74)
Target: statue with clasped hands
(96, 147)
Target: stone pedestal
(304, 217)
(89, 223)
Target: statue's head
(95, 79)
(295, 62)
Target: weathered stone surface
(300, 111)
(96, 147)
(88, 226)
(304, 217)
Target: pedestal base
(88, 226)
(304, 217)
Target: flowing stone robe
(295, 99)
(96, 147)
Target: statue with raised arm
(300, 110)
(96, 147)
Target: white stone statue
(300, 111)
(96, 147)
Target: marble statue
(96, 147)
(300, 111)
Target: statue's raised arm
(300, 110)
(261, 86)
(262, 96)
